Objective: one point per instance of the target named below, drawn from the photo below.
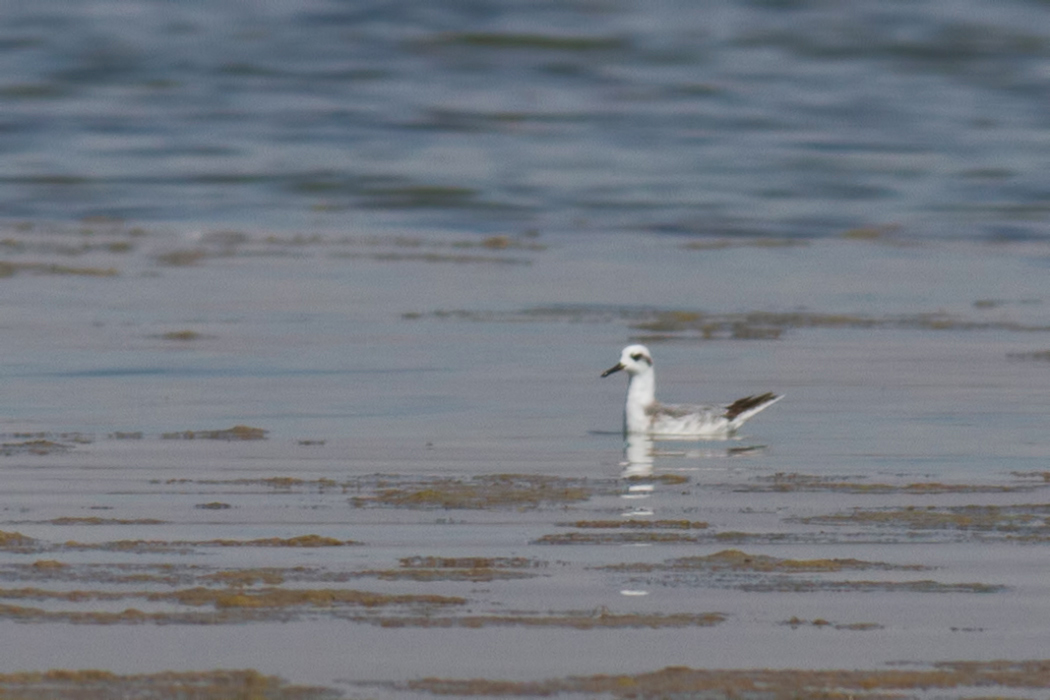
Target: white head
(635, 360)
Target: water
(405, 239)
(729, 118)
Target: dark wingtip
(747, 403)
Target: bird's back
(687, 420)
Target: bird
(643, 414)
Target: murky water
(304, 307)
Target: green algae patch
(207, 685)
(481, 492)
(237, 432)
(999, 678)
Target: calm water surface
(405, 239)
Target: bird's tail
(742, 409)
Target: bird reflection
(637, 456)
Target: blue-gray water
(406, 238)
(728, 118)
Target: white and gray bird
(643, 414)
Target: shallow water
(290, 290)
(393, 393)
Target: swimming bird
(645, 415)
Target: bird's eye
(637, 356)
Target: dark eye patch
(638, 357)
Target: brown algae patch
(278, 483)
(237, 432)
(186, 546)
(49, 571)
(182, 258)
(795, 623)
(300, 541)
(16, 541)
(667, 479)
(617, 538)
(274, 597)
(104, 521)
(620, 532)
(481, 492)
(638, 524)
(1029, 523)
(1036, 356)
(207, 685)
(677, 323)
(289, 482)
(182, 336)
(997, 678)
(239, 578)
(736, 560)
(225, 605)
(601, 618)
(785, 585)
(782, 482)
(41, 446)
(760, 573)
(475, 569)
(10, 269)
